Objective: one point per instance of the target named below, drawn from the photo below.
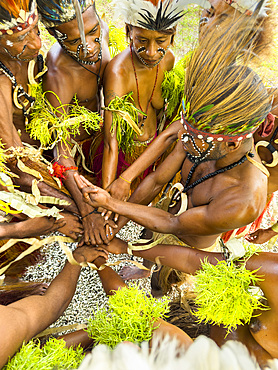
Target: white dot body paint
(9, 43)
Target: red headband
(21, 26)
(208, 136)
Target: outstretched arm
(114, 84)
(22, 320)
(93, 224)
(223, 213)
(120, 188)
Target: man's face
(23, 45)
(149, 46)
(92, 30)
(199, 150)
(215, 15)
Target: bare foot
(10, 293)
(73, 227)
(133, 272)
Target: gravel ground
(89, 293)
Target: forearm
(148, 193)
(109, 165)
(152, 153)
(153, 218)
(72, 187)
(24, 181)
(79, 337)
(109, 278)
(61, 290)
(179, 257)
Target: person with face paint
(20, 62)
(76, 64)
(150, 27)
(216, 12)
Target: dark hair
(181, 314)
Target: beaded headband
(16, 15)
(209, 137)
(248, 6)
(153, 15)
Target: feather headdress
(16, 15)
(224, 100)
(248, 6)
(153, 15)
(55, 12)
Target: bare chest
(201, 183)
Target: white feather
(131, 10)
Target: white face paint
(9, 43)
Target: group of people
(213, 164)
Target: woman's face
(149, 46)
(218, 12)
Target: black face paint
(76, 54)
(141, 49)
(162, 51)
(18, 55)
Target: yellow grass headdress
(224, 98)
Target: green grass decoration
(51, 125)
(125, 121)
(223, 295)
(117, 40)
(53, 355)
(129, 317)
(172, 86)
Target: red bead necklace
(137, 85)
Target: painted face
(23, 45)
(218, 12)
(68, 35)
(198, 150)
(149, 46)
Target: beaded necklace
(212, 174)
(137, 86)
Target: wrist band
(129, 182)
(93, 211)
(275, 227)
(58, 170)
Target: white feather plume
(133, 11)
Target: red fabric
(122, 164)
(254, 226)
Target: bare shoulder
(117, 74)
(59, 65)
(238, 203)
(60, 77)
(119, 65)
